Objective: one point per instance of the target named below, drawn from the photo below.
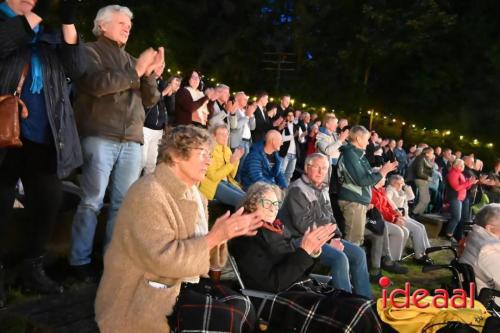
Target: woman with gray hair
(482, 248)
(157, 262)
(270, 261)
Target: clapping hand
(315, 238)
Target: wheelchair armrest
(321, 278)
(431, 268)
(487, 294)
(442, 248)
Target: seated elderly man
(306, 205)
(397, 197)
(400, 227)
(482, 248)
(264, 163)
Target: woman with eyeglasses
(191, 102)
(270, 261)
(157, 263)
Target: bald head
(273, 141)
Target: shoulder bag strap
(21, 81)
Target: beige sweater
(153, 241)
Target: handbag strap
(21, 81)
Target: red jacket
(458, 183)
(380, 201)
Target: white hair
(104, 15)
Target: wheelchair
(462, 276)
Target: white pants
(150, 149)
(416, 231)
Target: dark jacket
(185, 106)
(286, 144)
(304, 205)
(256, 167)
(423, 168)
(269, 261)
(356, 174)
(156, 116)
(58, 60)
(262, 124)
(111, 96)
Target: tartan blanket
(310, 306)
(207, 307)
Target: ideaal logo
(402, 298)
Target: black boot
(35, 279)
(3, 296)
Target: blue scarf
(36, 64)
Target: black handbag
(374, 221)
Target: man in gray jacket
(482, 248)
(110, 117)
(306, 205)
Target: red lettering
(419, 295)
(440, 295)
(404, 292)
(472, 294)
(384, 298)
(459, 294)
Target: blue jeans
(246, 146)
(105, 161)
(351, 261)
(459, 213)
(288, 166)
(229, 194)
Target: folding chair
(264, 296)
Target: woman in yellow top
(219, 182)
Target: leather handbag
(11, 109)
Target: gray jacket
(237, 130)
(482, 251)
(304, 205)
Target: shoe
(423, 261)
(35, 278)
(394, 267)
(85, 273)
(375, 275)
(452, 240)
(3, 295)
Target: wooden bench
(433, 223)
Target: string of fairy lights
(374, 115)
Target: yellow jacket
(219, 169)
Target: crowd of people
(301, 188)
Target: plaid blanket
(309, 306)
(206, 307)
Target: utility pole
(279, 62)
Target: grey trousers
(396, 240)
(424, 196)
(379, 247)
(416, 231)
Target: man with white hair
(482, 248)
(222, 110)
(110, 117)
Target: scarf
(36, 64)
(277, 226)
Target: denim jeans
(105, 161)
(459, 212)
(351, 261)
(246, 146)
(228, 194)
(288, 166)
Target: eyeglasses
(268, 204)
(204, 153)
